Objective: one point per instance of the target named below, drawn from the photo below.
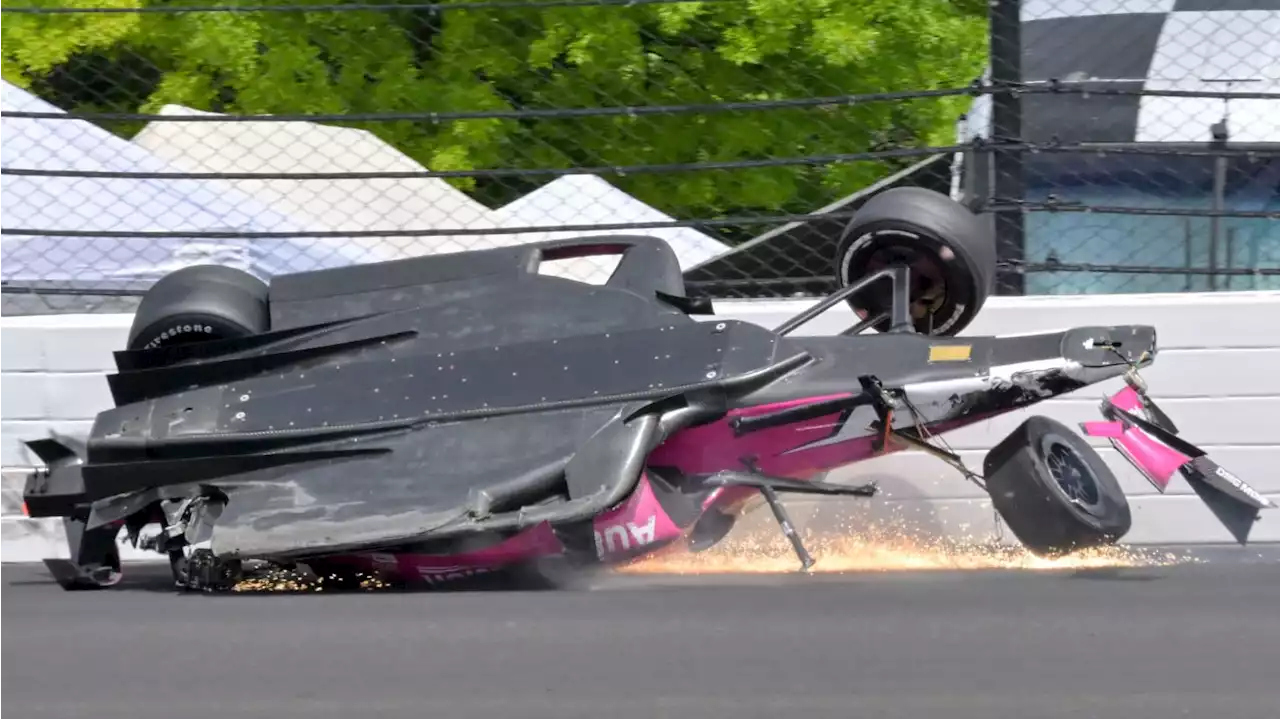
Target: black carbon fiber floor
(1199, 641)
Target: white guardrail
(1217, 374)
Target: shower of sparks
(867, 551)
(289, 580)
(884, 552)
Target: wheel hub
(928, 285)
(1071, 474)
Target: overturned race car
(456, 414)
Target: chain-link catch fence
(1116, 145)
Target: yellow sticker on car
(950, 353)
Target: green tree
(476, 58)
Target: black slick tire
(1053, 490)
(951, 253)
(200, 304)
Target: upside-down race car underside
(445, 415)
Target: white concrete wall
(1218, 375)
(52, 378)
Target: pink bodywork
(639, 525)
(1154, 459)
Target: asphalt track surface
(1200, 641)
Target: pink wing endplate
(1155, 460)
(1158, 452)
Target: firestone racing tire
(1054, 491)
(200, 304)
(950, 251)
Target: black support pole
(1007, 181)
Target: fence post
(1005, 47)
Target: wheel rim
(928, 284)
(1071, 474)
(928, 291)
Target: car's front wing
(1144, 436)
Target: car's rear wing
(57, 488)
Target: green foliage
(34, 45)
(463, 59)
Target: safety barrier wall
(1218, 375)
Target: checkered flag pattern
(1146, 46)
(1181, 98)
